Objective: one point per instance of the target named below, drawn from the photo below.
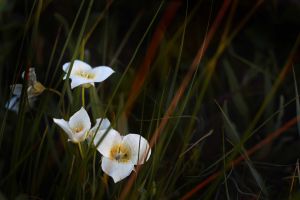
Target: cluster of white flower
(120, 153)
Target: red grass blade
(182, 88)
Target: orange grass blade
(182, 88)
(151, 52)
(249, 152)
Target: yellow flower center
(120, 153)
(78, 128)
(36, 89)
(86, 74)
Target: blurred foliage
(37, 162)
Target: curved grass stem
(54, 91)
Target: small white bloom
(77, 127)
(84, 74)
(121, 153)
(35, 88)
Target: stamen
(78, 128)
(120, 153)
(85, 74)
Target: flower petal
(80, 119)
(35, 90)
(65, 126)
(78, 80)
(78, 65)
(79, 137)
(111, 138)
(115, 169)
(13, 104)
(101, 73)
(79, 124)
(104, 124)
(139, 148)
(16, 89)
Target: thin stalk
(82, 97)
(54, 91)
(68, 40)
(80, 150)
(77, 48)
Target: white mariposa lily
(83, 74)
(121, 153)
(77, 127)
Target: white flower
(14, 102)
(105, 124)
(121, 153)
(84, 74)
(35, 88)
(77, 127)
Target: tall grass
(208, 83)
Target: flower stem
(80, 150)
(54, 91)
(94, 176)
(82, 96)
(82, 49)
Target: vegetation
(212, 85)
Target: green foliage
(239, 92)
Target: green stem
(82, 49)
(54, 91)
(82, 96)
(94, 176)
(80, 150)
